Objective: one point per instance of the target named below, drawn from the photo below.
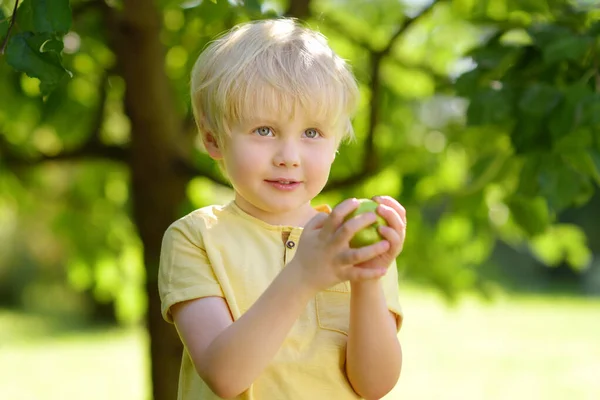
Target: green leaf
(495, 56)
(567, 117)
(528, 185)
(213, 11)
(590, 111)
(545, 34)
(253, 6)
(594, 160)
(4, 23)
(528, 134)
(531, 6)
(574, 143)
(561, 185)
(23, 54)
(570, 47)
(594, 30)
(52, 44)
(490, 107)
(560, 243)
(25, 16)
(51, 15)
(468, 83)
(531, 214)
(539, 99)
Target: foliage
(37, 43)
(481, 117)
(526, 148)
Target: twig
(14, 160)
(12, 22)
(597, 73)
(187, 168)
(404, 27)
(370, 159)
(91, 148)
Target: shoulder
(202, 217)
(197, 223)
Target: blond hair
(275, 66)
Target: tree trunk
(157, 189)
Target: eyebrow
(266, 121)
(261, 121)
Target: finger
(393, 219)
(349, 228)
(316, 222)
(337, 215)
(396, 239)
(362, 274)
(393, 203)
(362, 254)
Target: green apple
(369, 235)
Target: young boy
(268, 298)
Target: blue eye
(311, 133)
(263, 131)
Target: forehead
(268, 104)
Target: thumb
(316, 222)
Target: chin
(283, 206)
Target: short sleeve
(185, 272)
(392, 294)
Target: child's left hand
(394, 233)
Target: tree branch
(98, 119)
(597, 71)
(189, 170)
(352, 180)
(91, 148)
(299, 9)
(10, 26)
(15, 161)
(83, 7)
(343, 31)
(370, 162)
(404, 27)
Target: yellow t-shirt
(223, 251)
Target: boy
(268, 298)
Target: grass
(515, 348)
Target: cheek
(321, 162)
(243, 159)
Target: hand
(394, 233)
(324, 254)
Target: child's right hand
(324, 255)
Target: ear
(335, 154)
(212, 146)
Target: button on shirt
(223, 251)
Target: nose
(287, 154)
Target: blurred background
(482, 117)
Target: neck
(297, 217)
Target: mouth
(283, 181)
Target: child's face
(277, 165)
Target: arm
(229, 356)
(373, 353)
